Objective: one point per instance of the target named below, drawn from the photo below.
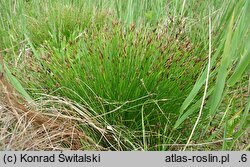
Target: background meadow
(125, 74)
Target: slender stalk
(206, 84)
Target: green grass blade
(216, 97)
(240, 69)
(193, 93)
(194, 108)
(15, 83)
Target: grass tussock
(127, 75)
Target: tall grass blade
(240, 69)
(14, 82)
(216, 97)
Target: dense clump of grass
(139, 65)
